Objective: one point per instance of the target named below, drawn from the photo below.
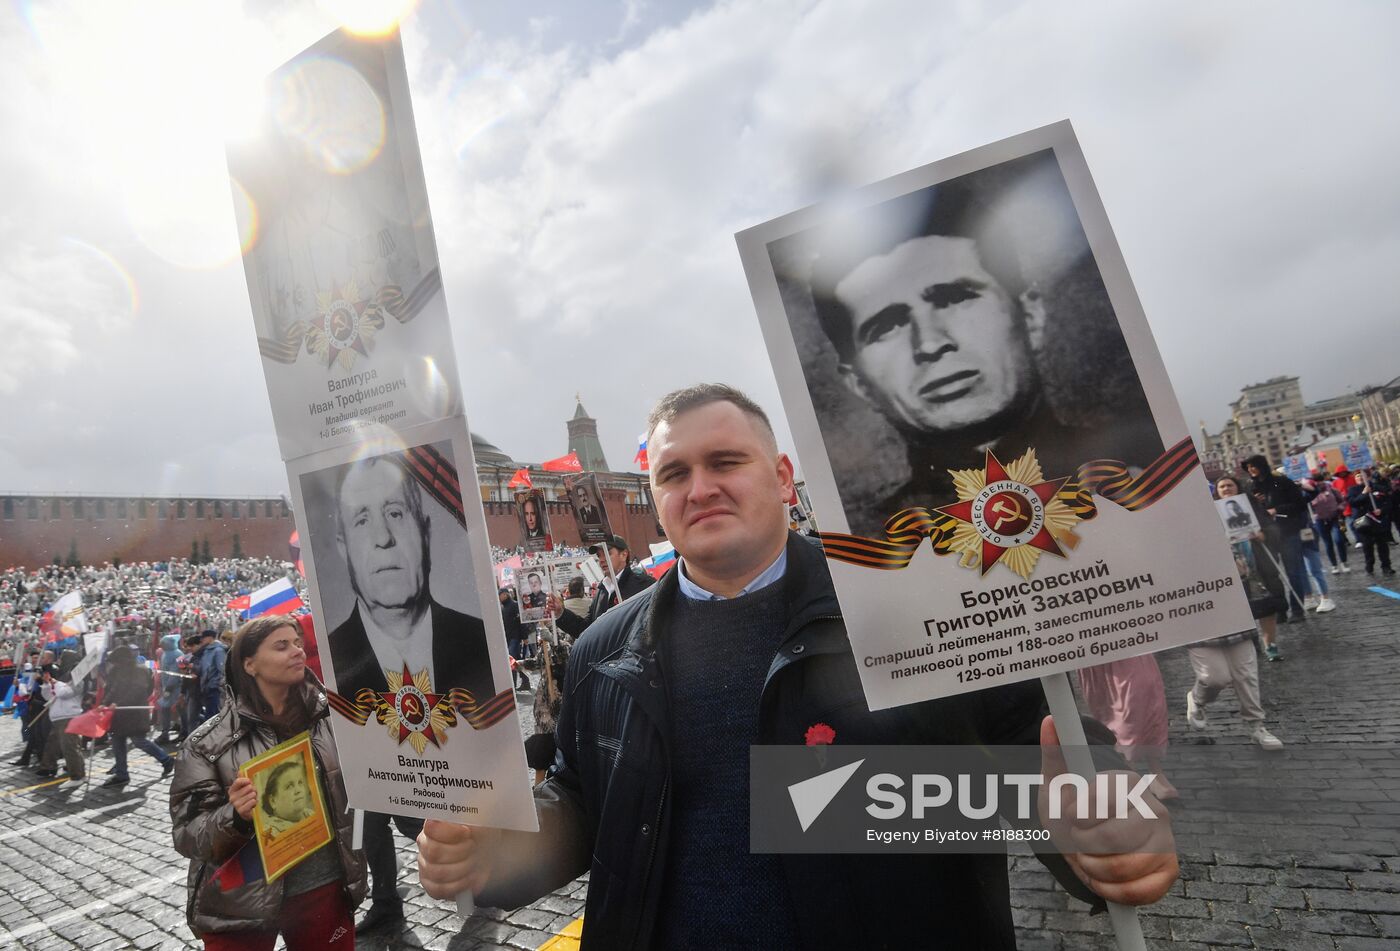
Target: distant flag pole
(280, 597)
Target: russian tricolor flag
(662, 560)
(280, 597)
(244, 867)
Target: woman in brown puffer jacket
(270, 697)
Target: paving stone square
(83, 867)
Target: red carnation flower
(819, 734)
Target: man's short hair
(956, 208)
(412, 495)
(533, 574)
(676, 402)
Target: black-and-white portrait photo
(1238, 517)
(586, 497)
(961, 317)
(395, 578)
(534, 521)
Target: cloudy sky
(589, 163)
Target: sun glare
(152, 90)
(368, 17)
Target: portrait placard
(963, 360)
(414, 651)
(561, 572)
(1237, 515)
(533, 516)
(289, 820)
(338, 249)
(590, 515)
(353, 330)
(532, 587)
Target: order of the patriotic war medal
(1008, 514)
(344, 325)
(410, 710)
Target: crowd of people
(144, 597)
(1283, 576)
(218, 697)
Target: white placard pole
(466, 903)
(357, 834)
(1283, 576)
(1127, 930)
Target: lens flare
(245, 210)
(114, 269)
(368, 17)
(437, 397)
(180, 208)
(488, 98)
(330, 111)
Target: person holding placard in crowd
(1370, 503)
(270, 698)
(743, 643)
(1283, 513)
(1230, 661)
(616, 561)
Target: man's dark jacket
(1290, 509)
(632, 580)
(606, 806)
(460, 655)
(510, 617)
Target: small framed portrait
(533, 515)
(290, 820)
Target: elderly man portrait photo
(966, 316)
(383, 534)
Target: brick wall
(36, 529)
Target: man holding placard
(744, 644)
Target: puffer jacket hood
(208, 831)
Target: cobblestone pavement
(83, 867)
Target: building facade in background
(95, 529)
(37, 529)
(1380, 414)
(1271, 419)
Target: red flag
(308, 643)
(567, 463)
(521, 477)
(240, 603)
(93, 724)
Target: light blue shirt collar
(767, 576)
